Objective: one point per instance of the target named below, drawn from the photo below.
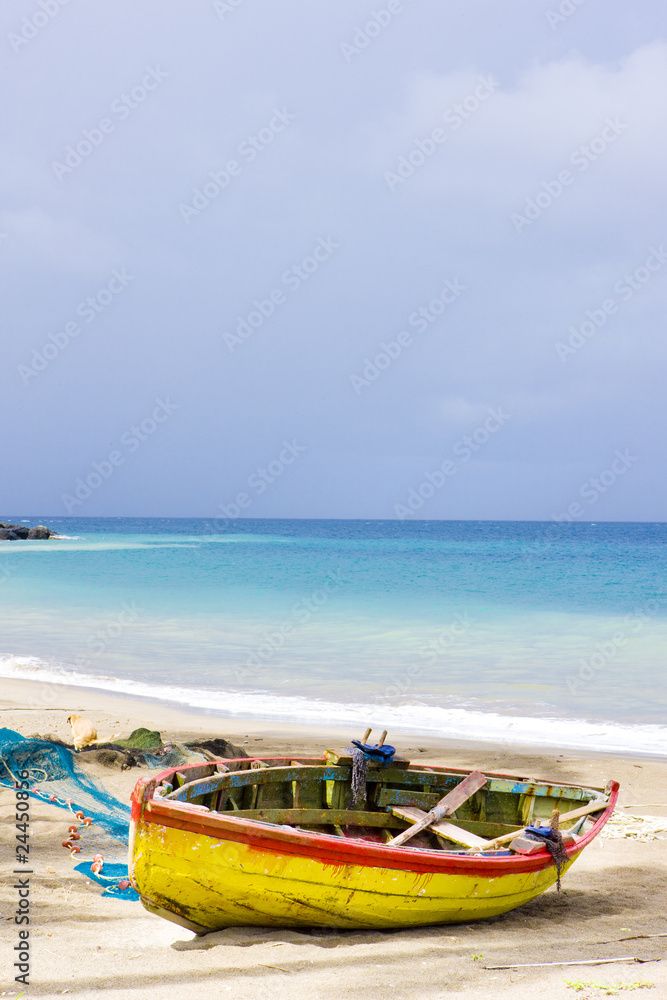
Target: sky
(360, 260)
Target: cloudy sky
(334, 260)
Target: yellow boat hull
(211, 884)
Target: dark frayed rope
(553, 842)
(359, 772)
(556, 849)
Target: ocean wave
(448, 723)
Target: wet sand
(83, 943)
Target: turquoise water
(512, 628)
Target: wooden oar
(445, 807)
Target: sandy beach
(83, 943)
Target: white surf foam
(451, 723)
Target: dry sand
(83, 943)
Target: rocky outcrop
(40, 532)
(14, 532)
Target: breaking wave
(445, 722)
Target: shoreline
(55, 689)
(19, 698)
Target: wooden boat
(277, 842)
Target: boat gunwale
(411, 768)
(334, 850)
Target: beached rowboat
(276, 842)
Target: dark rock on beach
(219, 748)
(107, 757)
(128, 753)
(14, 532)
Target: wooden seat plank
(597, 805)
(445, 807)
(449, 831)
(328, 817)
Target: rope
(553, 842)
(359, 772)
(8, 768)
(556, 849)
(362, 753)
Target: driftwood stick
(633, 937)
(643, 805)
(583, 961)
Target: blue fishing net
(54, 777)
(113, 877)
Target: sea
(526, 633)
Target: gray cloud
(222, 74)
